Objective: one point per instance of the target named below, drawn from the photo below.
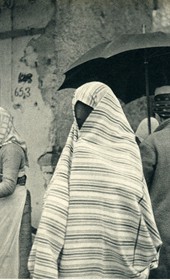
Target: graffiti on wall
(23, 91)
(22, 77)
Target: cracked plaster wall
(161, 16)
(27, 66)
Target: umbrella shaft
(147, 95)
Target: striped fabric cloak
(97, 220)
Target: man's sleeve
(148, 155)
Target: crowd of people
(105, 211)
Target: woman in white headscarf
(97, 219)
(13, 159)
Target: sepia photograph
(84, 139)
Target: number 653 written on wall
(23, 92)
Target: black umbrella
(132, 65)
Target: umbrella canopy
(133, 65)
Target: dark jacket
(155, 153)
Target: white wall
(32, 117)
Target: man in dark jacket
(155, 153)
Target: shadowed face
(82, 111)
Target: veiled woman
(97, 220)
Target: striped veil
(97, 219)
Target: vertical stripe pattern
(97, 219)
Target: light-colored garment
(11, 210)
(12, 167)
(143, 131)
(13, 158)
(97, 220)
(155, 152)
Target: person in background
(13, 199)
(142, 130)
(97, 219)
(155, 153)
(47, 162)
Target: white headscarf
(8, 133)
(142, 130)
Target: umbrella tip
(143, 28)
(61, 87)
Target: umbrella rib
(158, 54)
